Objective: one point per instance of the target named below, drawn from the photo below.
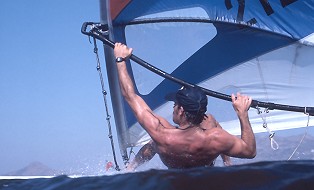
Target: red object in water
(109, 165)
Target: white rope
(274, 145)
(304, 135)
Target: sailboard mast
(116, 97)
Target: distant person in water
(197, 141)
(109, 165)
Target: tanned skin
(148, 151)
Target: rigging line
(274, 145)
(106, 105)
(304, 135)
(262, 77)
(127, 162)
(294, 62)
(97, 30)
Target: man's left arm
(146, 153)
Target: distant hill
(287, 146)
(34, 169)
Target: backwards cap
(192, 99)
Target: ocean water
(296, 175)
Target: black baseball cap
(192, 99)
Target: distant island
(35, 169)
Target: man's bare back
(148, 151)
(189, 147)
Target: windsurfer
(197, 141)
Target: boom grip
(95, 32)
(84, 27)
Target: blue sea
(296, 175)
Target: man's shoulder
(164, 123)
(209, 122)
(210, 116)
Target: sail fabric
(260, 48)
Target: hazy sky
(51, 105)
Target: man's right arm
(226, 160)
(246, 146)
(241, 105)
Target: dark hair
(195, 119)
(194, 102)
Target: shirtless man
(196, 142)
(148, 151)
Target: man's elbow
(252, 154)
